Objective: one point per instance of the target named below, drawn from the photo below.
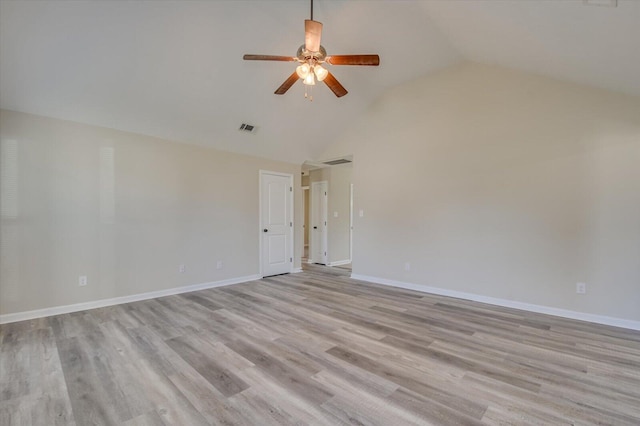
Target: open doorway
(330, 197)
(305, 215)
(319, 231)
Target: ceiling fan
(311, 55)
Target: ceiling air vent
(336, 162)
(606, 3)
(249, 128)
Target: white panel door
(319, 222)
(276, 223)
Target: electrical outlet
(407, 266)
(182, 269)
(581, 288)
(219, 264)
(82, 280)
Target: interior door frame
(312, 237)
(290, 201)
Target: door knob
(265, 230)
(315, 227)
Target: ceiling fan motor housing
(304, 55)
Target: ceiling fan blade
(335, 86)
(312, 35)
(287, 84)
(372, 60)
(269, 58)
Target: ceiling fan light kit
(311, 55)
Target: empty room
(329, 212)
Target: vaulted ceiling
(174, 69)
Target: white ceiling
(175, 69)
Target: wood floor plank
(151, 418)
(208, 400)
(282, 372)
(407, 380)
(352, 405)
(95, 396)
(434, 412)
(160, 392)
(316, 348)
(221, 377)
(270, 393)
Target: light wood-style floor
(316, 348)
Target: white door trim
(290, 200)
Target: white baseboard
(296, 270)
(340, 262)
(57, 310)
(599, 319)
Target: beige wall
(123, 209)
(503, 184)
(339, 187)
